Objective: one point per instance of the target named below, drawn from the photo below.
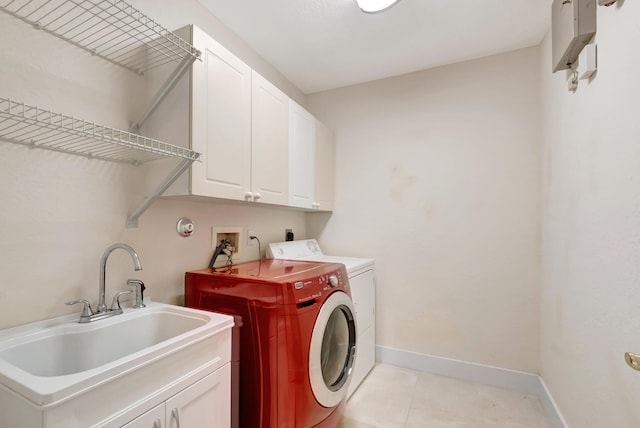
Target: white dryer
(361, 273)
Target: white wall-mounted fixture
(587, 61)
(185, 227)
(573, 25)
(572, 81)
(375, 6)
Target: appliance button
(333, 281)
(298, 285)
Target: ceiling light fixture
(375, 6)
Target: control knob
(333, 281)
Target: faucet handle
(115, 304)
(139, 287)
(86, 310)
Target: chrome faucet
(102, 307)
(102, 311)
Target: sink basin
(55, 359)
(71, 350)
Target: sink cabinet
(206, 403)
(154, 418)
(190, 380)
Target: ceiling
(326, 44)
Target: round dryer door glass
(337, 343)
(332, 351)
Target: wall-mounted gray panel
(573, 24)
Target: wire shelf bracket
(110, 29)
(21, 123)
(171, 81)
(36, 127)
(132, 220)
(119, 33)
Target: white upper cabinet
(324, 168)
(301, 156)
(221, 121)
(256, 144)
(269, 143)
(240, 124)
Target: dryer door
(333, 349)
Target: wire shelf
(24, 124)
(110, 29)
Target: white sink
(56, 359)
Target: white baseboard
(549, 404)
(529, 383)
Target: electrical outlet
(288, 234)
(251, 242)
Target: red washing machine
(297, 340)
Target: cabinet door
(324, 167)
(154, 418)
(206, 403)
(269, 142)
(221, 121)
(301, 156)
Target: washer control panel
(333, 280)
(314, 288)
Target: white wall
(59, 212)
(591, 230)
(437, 175)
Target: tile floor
(392, 397)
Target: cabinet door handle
(175, 414)
(248, 196)
(157, 423)
(257, 196)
